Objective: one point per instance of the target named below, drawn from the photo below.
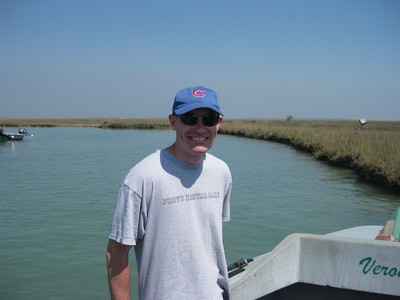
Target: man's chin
(200, 149)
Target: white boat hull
(303, 266)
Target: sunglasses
(192, 119)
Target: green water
(57, 193)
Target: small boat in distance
(356, 263)
(5, 136)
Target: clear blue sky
(264, 58)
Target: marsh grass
(121, 123)
(373, 150)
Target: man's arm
(118, 270)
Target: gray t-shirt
(172, 213)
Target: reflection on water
(58, 191)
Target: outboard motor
(24, 132)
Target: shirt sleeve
(226, 209)
(126, 226)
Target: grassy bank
(373, 151)
(121, 123)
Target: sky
(314, 59)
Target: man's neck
(190, 159)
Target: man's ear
(172, 121)
(219, 122)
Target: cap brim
(187, 108)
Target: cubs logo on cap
(195, 97)
(198, 93)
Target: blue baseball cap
(195, 97)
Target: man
(170, 208)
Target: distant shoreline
(372, 150)
(129, 123)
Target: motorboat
(22, 132)
(356, 263)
